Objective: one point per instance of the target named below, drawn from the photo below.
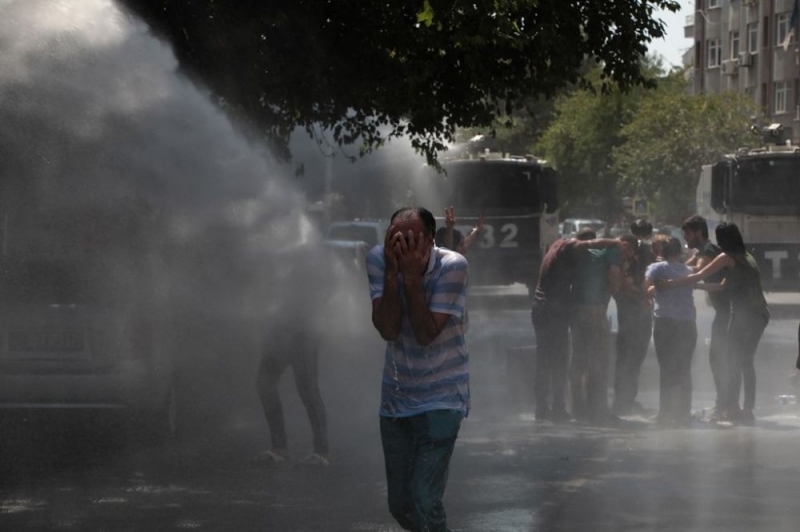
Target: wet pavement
(509, 472)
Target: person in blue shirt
(674, 335)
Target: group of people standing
(652, 285)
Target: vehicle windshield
(769, 183)
(484, 186)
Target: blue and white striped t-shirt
(419, 378)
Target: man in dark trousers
(635, 320)
(695, 232)
(551, 314)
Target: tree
(672, 135)
(581, 140)
(369, 71)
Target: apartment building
(748, 46)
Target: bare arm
(412, 258)
(387, 311)
(720, 261)
(710, 287)
(597, 243)
(427, 325)
(472, 236)
(698, 262)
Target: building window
(782, 91)
(714, 53)
(781, 27)
(752, 38)
(713, 3)
(734, 44)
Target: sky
(672, 47)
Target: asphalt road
(509, 473)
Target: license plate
(45, 341)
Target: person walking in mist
(749, 317)
(597, 278)
(418, 293)
(695, 232)
(293, 339)
(674, 335)
(551, 313)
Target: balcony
(688, 27)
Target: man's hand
(412, 255)
(389, 253)
(479, 225)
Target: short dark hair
(587, 233)
(642, 227)
(696, 223)
(672, 248)
(729, 238)
(457, 238)
(404, 213)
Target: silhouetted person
(674, 336)
(418, 296)
(293, 339)
(695, 232)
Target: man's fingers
(387, 239)
(402, 242)
(412, 243)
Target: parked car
(572, 226)
(371, 233)
(85, 321)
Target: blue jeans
(417, 453)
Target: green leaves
(434, 65)
(646, 142)
(426, 15)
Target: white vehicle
(572, 226)
(759, 191)
(371, 233)
(84, 318)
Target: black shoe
(542, 414)
(747, 418)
